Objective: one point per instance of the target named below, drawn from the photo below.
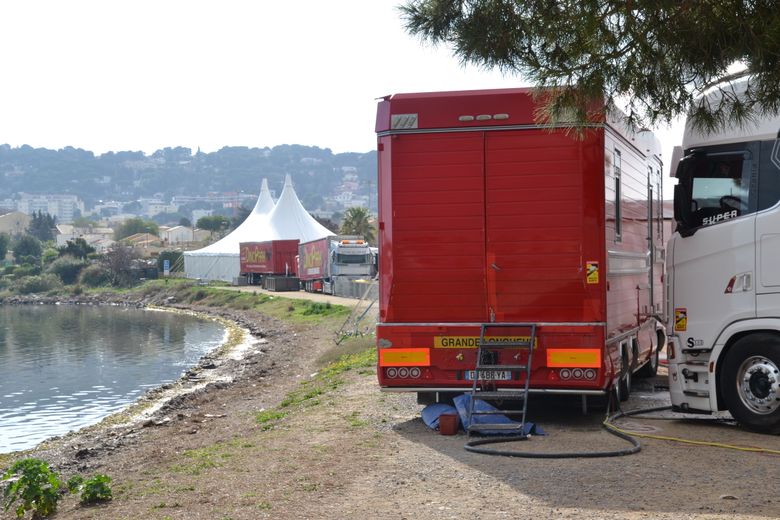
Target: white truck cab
(723, 275)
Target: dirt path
(345, 450)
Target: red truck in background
(272, 264)
(486, 217)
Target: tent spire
(264, 204)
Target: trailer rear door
(438, 228)
(493, 226)
(537, 245)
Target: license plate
(490, 375)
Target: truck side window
(769, 175)
(720, 188)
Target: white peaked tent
(288, 220)
(219, 261)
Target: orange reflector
(405, 357)
(574, 357)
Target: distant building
(177, 235)
(101, 238)
(62, 207)
(14, 223)
(152, 207)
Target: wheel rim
(758, 385)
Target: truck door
(537, 240)
(767, 231)
(714, 259)
(437, 258)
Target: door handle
(494, 266)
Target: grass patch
(201, 459)
(309, 392)
(355, 421)
(267, 419)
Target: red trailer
(313, 263)
(272, 259)
(493, 228)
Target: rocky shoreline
(216, 370)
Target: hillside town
(176, 218)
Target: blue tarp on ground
(431, 413)
(462, 403)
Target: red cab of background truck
(487, 217)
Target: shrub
(94, 276)
(26, 270)
(94, 490)
(32, 486)
(37, 284)
(67, 268)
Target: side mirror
(682, 211)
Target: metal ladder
(487, 361)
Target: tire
(650, 369)
(623, 387)
(750, 382)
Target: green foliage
(67, 268)
(213, 223)
(77, 248)
(41, 226)
(94, 275)
(27, 249)
(267, 419)
(31, 486)
(317, 308)
(26, 269)
(356, 222)
(74, 483)
(37, 284)
(5, 241)
(134, 226)
(658, 56)
(49, 255)
(96, 489)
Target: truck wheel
(750, 382)
(623, 387)
(650, 369)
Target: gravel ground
(355, 452)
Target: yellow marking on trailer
(473, 341)
(574, 358)
(592, 272)
(405, 357)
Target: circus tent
(286, 220)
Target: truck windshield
(352, 259)
(714, 187)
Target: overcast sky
(142, 75)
